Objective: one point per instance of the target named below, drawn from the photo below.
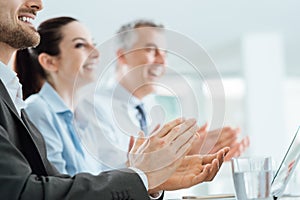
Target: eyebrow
(81, 38)
(151, 45)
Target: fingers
(208, 173)
(183, 143)
(201, 177)
(211, 166)
(187, 137)
(131, 142)
(138, 142)
(208, 159)
(198, 143)
(188, 127)
(185, 148)
(203, 129)
(167, 127)
(155, 129)
(227, 137)
(238, 149)
(222, 154)
(215, 166)
(246, 141)
(234, 152)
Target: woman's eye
(79, 45)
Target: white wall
(219, 27)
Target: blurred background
(255, 46)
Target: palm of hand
(186, 174)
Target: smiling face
(16, 29)
(78, 57)
(144, 63)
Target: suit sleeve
(18, 182)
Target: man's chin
(30, 41)
(35, 38)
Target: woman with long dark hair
(64, 61)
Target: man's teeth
(88, 67)
(25, 19)
(156, 72)
(153, 74)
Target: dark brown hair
(30, 72)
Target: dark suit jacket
(25, 172)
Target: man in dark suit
(25, 172)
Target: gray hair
(126, 35)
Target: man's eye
(150, 49)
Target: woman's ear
(48, 62)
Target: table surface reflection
(227, 197)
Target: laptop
(281, 177)
(287, 167)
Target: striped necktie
(141, 116)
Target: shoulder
(36, 106)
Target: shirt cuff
(156, 195)
(142, 176)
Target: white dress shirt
(13, 86)
(110, 118)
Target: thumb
(203, 129)
(138, 142)
(131, 142)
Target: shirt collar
(121, 93)
(6, 74)
(13, 86)
(53, 99)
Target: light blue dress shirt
(55, 121)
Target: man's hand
(218, 139)
(160, 155)
(199, 141)
(193, 170)
(238, 148)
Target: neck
(6, 52)
(67, 92)
(138, 93)
(131, 86)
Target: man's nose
(161, 57)
(37, 5)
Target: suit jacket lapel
(38, 140)
(5, 96)
(33, 133)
